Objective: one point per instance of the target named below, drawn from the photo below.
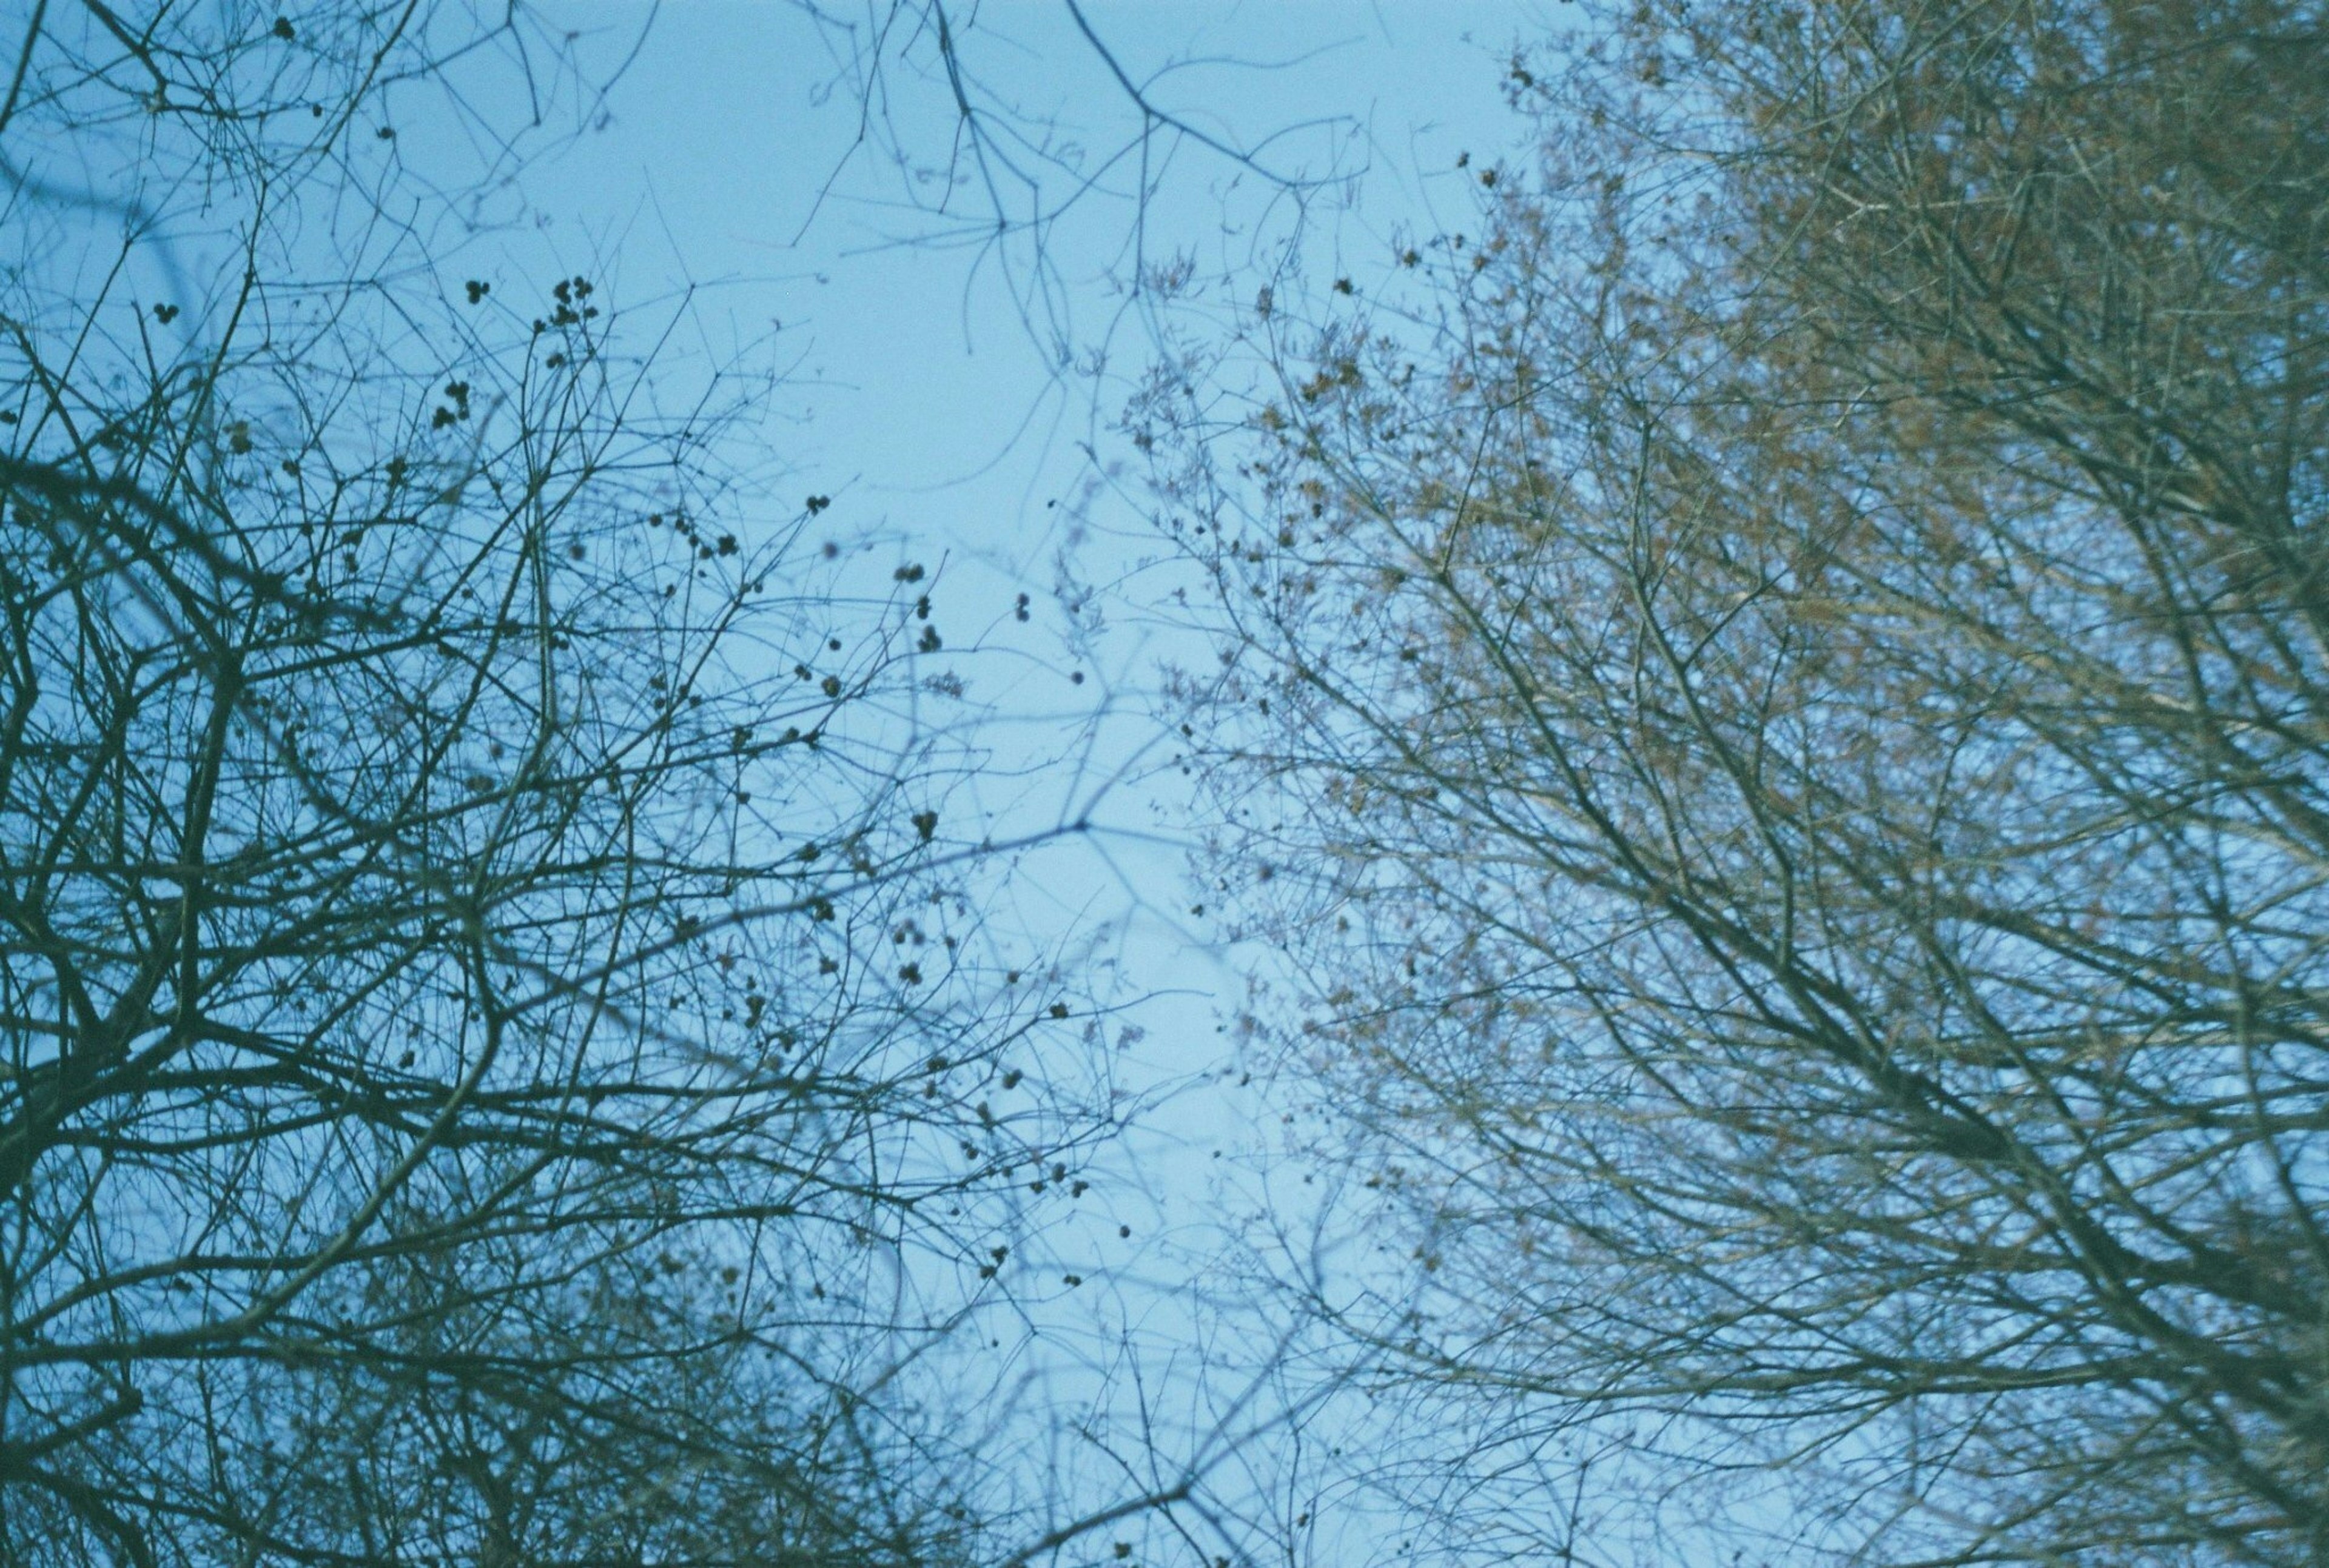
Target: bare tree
(500, 1065)
(1782, 711)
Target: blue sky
(921, 391)
(953, 393)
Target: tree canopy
(494, 1051)
(1758, 704)
(1779, 695)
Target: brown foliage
(1799, 736)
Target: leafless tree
(1781, 708)
(500, 1065)
(994, 130)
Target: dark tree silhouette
(494, 1061)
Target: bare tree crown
(1785, 702)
